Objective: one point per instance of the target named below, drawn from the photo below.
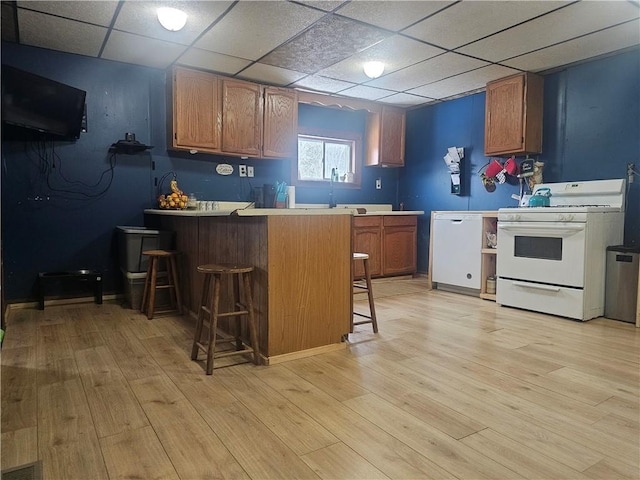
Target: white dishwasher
(457, 248)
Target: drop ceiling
(433, 50)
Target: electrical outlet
(630, 169)
(378, 183)
(242, 170)
(249, 171)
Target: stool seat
(224, 268)
(208, 313)
(151, 285)
(371, 318)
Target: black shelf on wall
(128, 147)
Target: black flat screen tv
(36, 107)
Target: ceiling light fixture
(373, 69)
(171, 18)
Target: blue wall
(591, 131)
(45, 229)
(591, 125)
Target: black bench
(72, 278)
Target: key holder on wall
(453, 161)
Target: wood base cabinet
(399, 241)
(390, 241)
(367, 238)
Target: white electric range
(553, 259)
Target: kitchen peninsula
(302, 278)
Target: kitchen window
(319, 152)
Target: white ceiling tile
(602, 42)
(394, 15)
(368, 93)
(141, 18)
(99, 12)
(322, 84)
(406, 100)
(567, 23)
(42, 30)
(261, 72)
(253, 29)
(326, 5)
(396, 52)
(466, 82)
(129, 48)
(428, 71)
(195, 57)
(467, 21)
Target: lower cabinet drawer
(562, 301)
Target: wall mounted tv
(35, 107)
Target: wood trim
(286, 357)
(330, 101)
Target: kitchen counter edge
(260, 212)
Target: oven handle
(536, 286)
(537, 228)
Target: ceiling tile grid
(432, 50)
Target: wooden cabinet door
(513, 115)
(280, 139)
(399, 245)
(242, 117)
(385, 138)
(367, 238)
(197, 116)
(392, 136)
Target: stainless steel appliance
(622, 283)
(552, 259)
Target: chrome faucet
(332, 201)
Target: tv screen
(39, 104)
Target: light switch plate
(249, 171)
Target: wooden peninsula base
(302, 276)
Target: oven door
(545, 252)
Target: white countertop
(261, 212)
(246, 209)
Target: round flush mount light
(373, 69)
(171, 18)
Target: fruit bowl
(172, 201)
(176, 200)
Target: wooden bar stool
(367, 288)
(209, 306)
(151, 285)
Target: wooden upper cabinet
(385, 138)
(242, 117)
(280, 123)
(196, 106)
(513, 115)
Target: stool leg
(145, 292)
(175, 283)
(152, 287)
(237, 328)
(372, 307)
(213, 323)
(253, 328)
(98, 289)
(203, 303)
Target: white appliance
(457, 242)
(552, 259)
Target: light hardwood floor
(451, 387)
